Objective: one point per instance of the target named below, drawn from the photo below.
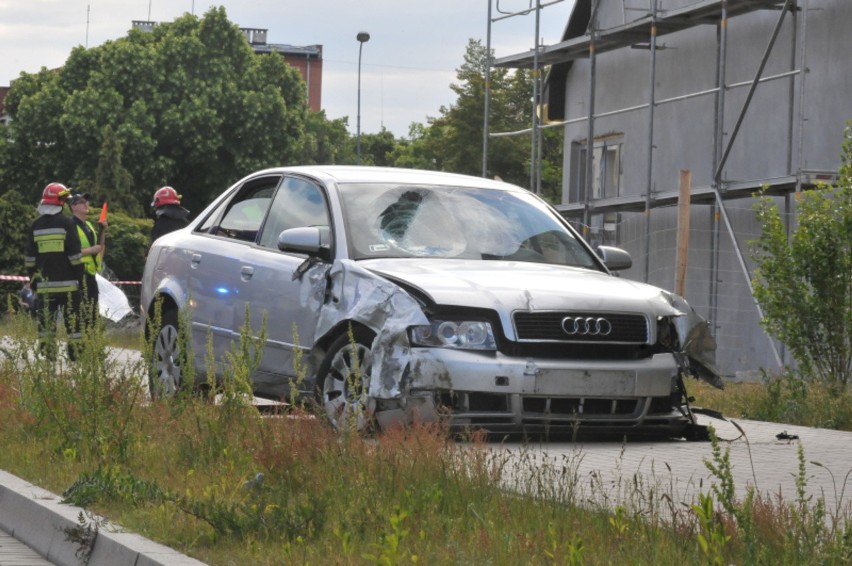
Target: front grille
(547, 326)
(577, 350)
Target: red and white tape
(25, 278)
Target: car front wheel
(165, 378)
(343, 381)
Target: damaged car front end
(533, 368)
(423, 296)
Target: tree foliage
(126, 245)
(112, 178)
(15, 216)
(378, 149)
(804, 282)
(188, 104)
(453, 141)
(327, 142)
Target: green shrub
(804, 282)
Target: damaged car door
(286, 287)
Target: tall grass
(230, 485)
(785, 398)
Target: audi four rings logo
(586, 326)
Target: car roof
(370, 174)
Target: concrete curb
(40, 520)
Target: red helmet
(165, 195)
(55, 193)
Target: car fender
(698, 345)
(359, 295)
(159, 281)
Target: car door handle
(195, 260)
(246, 272)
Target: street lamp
(362, 38)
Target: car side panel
(290, 306)
(213, 270)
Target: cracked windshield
(463, 223)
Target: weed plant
(786, 398)
(83, 409)
(229, 485)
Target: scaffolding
(644, 33)
(534, 7)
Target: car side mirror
(311, 240)
(615, 259)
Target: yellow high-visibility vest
(92, 263)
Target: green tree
(112, 178)
(15, 215)
(453, 140)
(378, 149)
(31, 158)
(415, 152)
(327, 142)
(804, 283)
(126, 245)
(190, 105)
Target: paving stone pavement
(608, 473)
(15, 553)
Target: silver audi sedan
(394, 296)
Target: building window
(604, 229)
(607, 174)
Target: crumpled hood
(516, 285)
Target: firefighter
(169, 215)
(92, 247)
(55, 266)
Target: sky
(407, 66)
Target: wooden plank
(682, 258)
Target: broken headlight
(463, 335)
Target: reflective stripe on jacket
(57, 286)
(53, 254)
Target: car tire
(343, 381)
(165, 378)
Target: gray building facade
(742, 94)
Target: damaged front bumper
(488, 390)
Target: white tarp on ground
(112, 302)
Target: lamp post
(362, 38)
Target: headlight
(464, 335)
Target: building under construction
(734, 96)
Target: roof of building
(257, 39)
(308, 51)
